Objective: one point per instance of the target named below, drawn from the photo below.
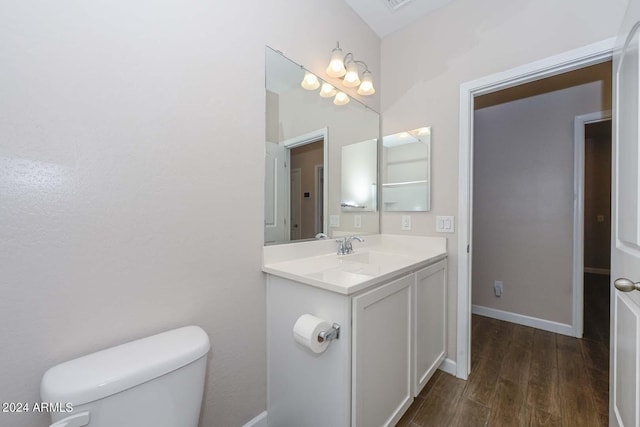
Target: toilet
(156, 381)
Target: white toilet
(156, 381)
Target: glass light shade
(310, 81)
(336, 65)
(341, 99)
(366, 87)
(327, 90)
(351, 79)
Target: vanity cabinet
(392, 339)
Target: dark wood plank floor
(596, 307)
(520, 376)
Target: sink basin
(316, 263)
(363, 264)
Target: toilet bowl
(156, 381)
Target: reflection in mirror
(406, 171)
(305, 134)
(359, 176)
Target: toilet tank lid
(101, 374)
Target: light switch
(406, 222)
(357, 221)
(445, 224)
(334, 220)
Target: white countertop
(379, 258)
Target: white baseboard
(594, 270)
(259, 421)
(521, 319)
(448, 366)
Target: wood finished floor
(520, 376)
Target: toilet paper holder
(332, 333)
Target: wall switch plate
(498, 288)
(357, 221)
(334, 220)
(445, 224)
(406, 222)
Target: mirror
(406, 171)
(306, 139)
(359, 176)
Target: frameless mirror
(406, 171)
(305, 136)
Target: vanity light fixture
(341, 99)
(336, 64)
(351, 78)
(327, 91)
(366, 87)
(310, 81)
(346, 67)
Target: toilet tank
(156, 381)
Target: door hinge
(467, 248)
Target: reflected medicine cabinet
(406, 171)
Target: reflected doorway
(306, 193)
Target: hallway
(520, 377)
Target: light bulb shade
(327, 90)
(310, 81)
(351, 78)
(341, 99)
(336, 65)
(366, 87)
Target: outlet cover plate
(445, 224)
(406, 222)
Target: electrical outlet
(357, 221)
(334, 220)
(406, 222)
(498, 288)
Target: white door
(275, 190)
(624, 406)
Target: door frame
(579, 123)
(319, 184)
(568, 61)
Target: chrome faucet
(344, 245)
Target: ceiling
(384, 19)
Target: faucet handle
(342, 244)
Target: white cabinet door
(430, 322)
(624, 406)
(382, 353)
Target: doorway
(568, 61)
(597, 230)
(306, 193)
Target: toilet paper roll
(306, 331)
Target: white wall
(523, 200)
(424, 65)
(131, 179)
